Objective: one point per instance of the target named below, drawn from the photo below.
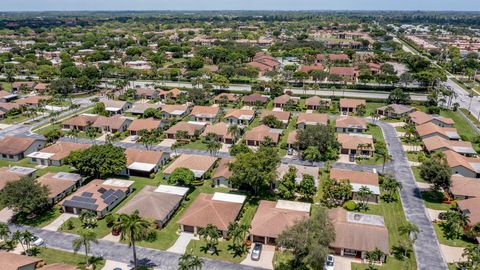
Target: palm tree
(390, 186)
(88, 219)
(188, 261)
(175, 146)
(132, 228)
(235, 131)
(17, 237)
(4, 231)
(410, 130)
(73, 133)
(409, 229)
(181, 134)
(213, 146)
(238, 232)
(388, 111)
(87, 237)
(27, 238)
(210, 235)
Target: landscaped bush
(350, 205)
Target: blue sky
(42, 5)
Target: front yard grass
(101, 229)
(416, 173)
(464, 129)
(41, 220)
(198, 145)
(51, 256)
(434, 200)
(450, 242)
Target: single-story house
(470, 208)
(15, 173)
(144, 162)
(420, 118)
(12, 261)
(272, 218)
(148, 124)
(116, 106)
(351, 124)
(191, 128)
(222, 173)
(204, 113)
(60, 184)
(6, 97)
(54, 154)
(346, 73)
(311, 119)
(17, 148)
(282, 116)
(466, 166)
(225, 97)
(358, 179)
(255, 99)
(428, 130)
(218, 209)
(316, 103)
(221, 132)
(439, 144)
(139, 108)
(358, 145)
(199, 165)
(157, 203)
(292, 139)
(282, 169)
(282, 100)
(170, 95)
(257, 135)
(240, 117)
(32, 101)
(98, 195)
(463, 188)
(18, 86)
(395, 110)
(174, 111)
(358, 233)
(112, 124)
(349, 105)
(146, 93)
(81, 122)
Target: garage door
(69, 210)
(189, 229)
(258, 239)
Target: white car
(329, 263)
(37, 241)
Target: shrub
(350, 205)
(110, 219)
(151, 236)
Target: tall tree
(309, 240)
(98, 161)
(86, 238)
(132, 228)
(24, 196)
(436, 171)
(210, 235)
(287, 186)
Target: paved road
(122, 253)
(25, 128)
(427, 248)
(320, 92)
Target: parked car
(256, 252)
(135, 138)
(37, 241)
(290, 151)
(329, 263)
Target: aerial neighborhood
(264, 140)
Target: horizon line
(242, 10)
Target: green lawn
(198, 144)
(51, 256)
(450, 242)
(372, 107)
(394, 218)
(101, 229)
(6, 86)
(283, 140)
(416, 173)
(13, 119)
(471, 117)
(464, 129)
(41, 220)
(434, 200)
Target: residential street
(427, 248)
(122, 253)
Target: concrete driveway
(110, 265)
(167, 142)
(344, 263)
(266, 258)
(452, 254)
(57, 223)
(5, 215)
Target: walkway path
(57, 223)
(181, 244)
(122, 253)
(427, 248)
